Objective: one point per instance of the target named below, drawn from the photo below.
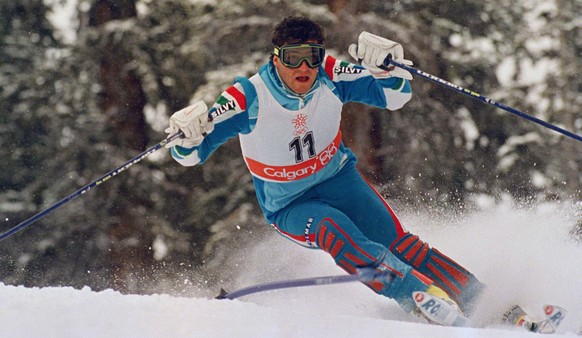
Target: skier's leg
(447, 274)
(318, 225)
(378, 222)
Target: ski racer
(287, 117)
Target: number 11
(298, 143)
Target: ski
(434, 309)
(517, 316)
(438, 311)
(367, 274)
(554, 314)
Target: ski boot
(437, 307)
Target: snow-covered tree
(83, 93)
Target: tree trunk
(122, 100)
(570, 158)
(346, 7)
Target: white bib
(288, 145)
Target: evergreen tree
(74, 110)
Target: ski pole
(480, 97)
(364, 275)
(89, 186)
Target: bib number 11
(300, 143)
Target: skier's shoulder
(235, 99)
(339, 70)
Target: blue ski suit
(306, 180)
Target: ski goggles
(293, 55)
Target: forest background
(86, 85)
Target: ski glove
(372, 50)
(194, 122)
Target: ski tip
(554, 314)
(550, 310)
(222, 295)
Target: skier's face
(299, 79)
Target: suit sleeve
(355, 84)
(230, 114)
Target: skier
(287, 117)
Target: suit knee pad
(342, 247)
(350, 253)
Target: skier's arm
(230, 117)
(370, 84)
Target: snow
(524, 255)
(65, 312)
(63, 18)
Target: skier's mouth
(302, 78)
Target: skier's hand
(372, 50)
(194, 122)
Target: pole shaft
(485, 99)
(88, 187)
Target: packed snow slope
(525, 256)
